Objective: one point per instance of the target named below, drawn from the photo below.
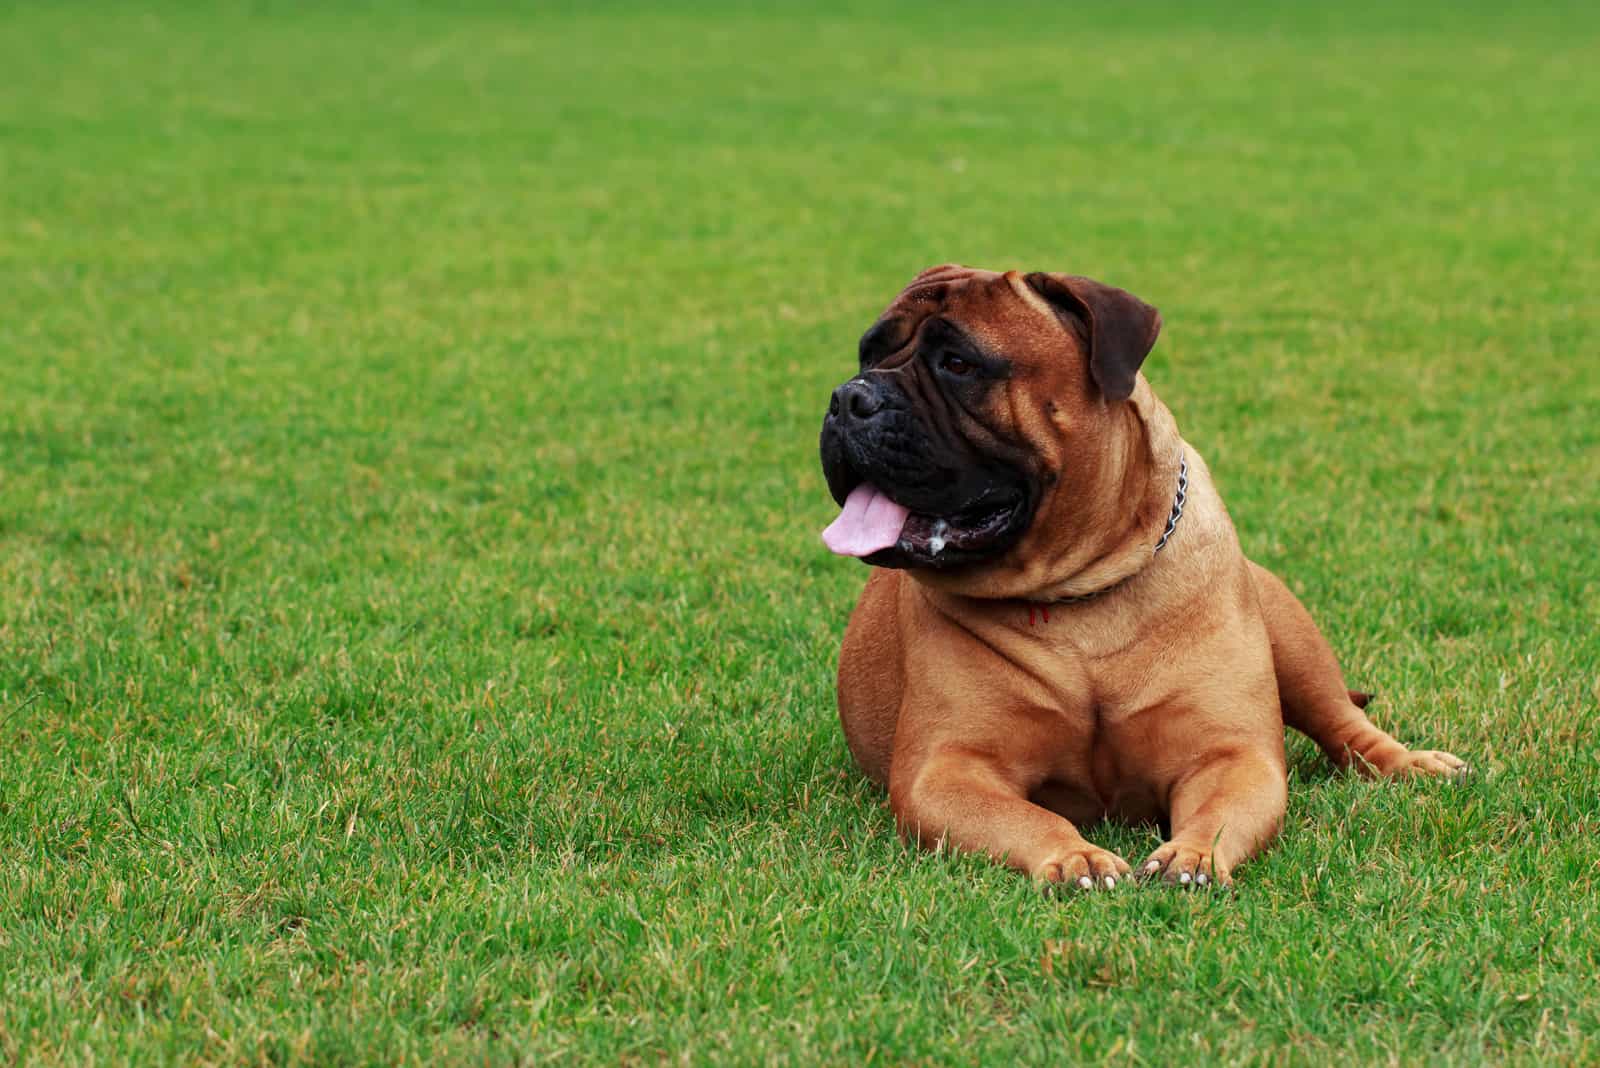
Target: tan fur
(1001, 729)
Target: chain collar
(1177, 503)
(1172, 524)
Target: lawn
(415, 645)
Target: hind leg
(1315, 701)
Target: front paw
(1084, 866)
(1183, 865)
(1417, 763)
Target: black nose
(856, 400)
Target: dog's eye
(956, 365)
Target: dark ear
(1122, 328)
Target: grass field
(415, 645)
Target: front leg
(967, 798)
(1223, 813)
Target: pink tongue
(870, 521)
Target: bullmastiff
(1060, 625)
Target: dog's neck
(1095, 536)
(1121, 536)
(1180, 498)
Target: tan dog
(1062, 626)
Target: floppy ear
(1122, 328)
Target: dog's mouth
(885, 533)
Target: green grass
(414, 641)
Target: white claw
(1152, 866)
(1184, 878)
(1201, 878)
(1110, 883)
(1086, 882)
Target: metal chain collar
(1177, 504)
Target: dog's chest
(1089, 653)
(1099, 672)
(1095, 775)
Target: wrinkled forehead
(942, 299)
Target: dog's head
(990, 413)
